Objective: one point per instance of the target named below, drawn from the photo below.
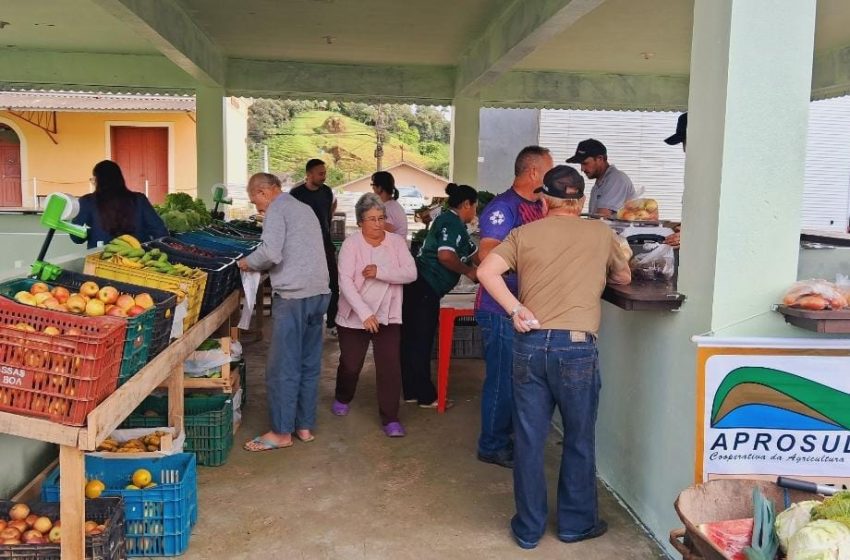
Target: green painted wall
(210, 139)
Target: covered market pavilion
(745, 70)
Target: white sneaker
(330, 332)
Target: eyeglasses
(375, 219)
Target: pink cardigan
(358, 297)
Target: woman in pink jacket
(373, 266)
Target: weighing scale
(219, 197)
(59, 210)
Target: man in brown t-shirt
(562, 263)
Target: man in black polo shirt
(317, 195)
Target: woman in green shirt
(446, 253)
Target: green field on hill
(346, 145)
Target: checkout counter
(651, 292)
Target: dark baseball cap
(560, 178)
(588, 148)
(681, 131)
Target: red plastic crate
(63, 377)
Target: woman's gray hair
(368, 201)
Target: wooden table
(452, 306)
(75, 441)
(644, 296)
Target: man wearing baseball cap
(681, 135)
(563, 263)
(612, 187)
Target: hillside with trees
(344, 135)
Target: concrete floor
(355, 494)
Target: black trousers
(419, 317)
(333, 273)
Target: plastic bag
(842, 283)
(639, 209)
(250, 285)
(815, 294)
(658, 262)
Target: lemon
(94, 488)
(142, 478)
(131, 487)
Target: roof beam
(83, 71)
(362, 82)
(831, 73)
(514, 34)
(566, 90)
(173, 32)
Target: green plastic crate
(208, 421)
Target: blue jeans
(497, 394)
(549, 370)
(294, 362)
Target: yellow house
(50, 141)
(406, 175)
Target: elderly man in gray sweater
(291, 240)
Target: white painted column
(464, 155)
(751, 68)
(210, 138)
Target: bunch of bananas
(127, 251)
(144, 444)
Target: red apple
(76, 304)
(89, 289)
(125, 301)
(108, 294)
(31, 519)
(60, 293)
(115, 311)
(39, 287)
(30, 534)
(18, 524)
(135, 310)
(10, 533)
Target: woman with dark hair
(446, 253)
(113, 209)
(383, 185)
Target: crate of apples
(91, 300)
(22, 526)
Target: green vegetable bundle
(181, 213)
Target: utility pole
(265, 158)
(379, 139)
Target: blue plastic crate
(158, 520)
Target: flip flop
(307, 439)
(266, 445)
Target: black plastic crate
(109, 545)
(467, 341)
(223, 275)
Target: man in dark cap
(563, 263)
(681, 136)
(612, 187)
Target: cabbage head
(792, 519)
(821, 539)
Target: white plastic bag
(200, 362)
(250, 285)
(657, 263)
(132, 433)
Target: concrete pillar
(210, 136)
(751, 68)
(464, 156)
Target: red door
(142, 153)
(10, 175)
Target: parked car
(411, 199)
